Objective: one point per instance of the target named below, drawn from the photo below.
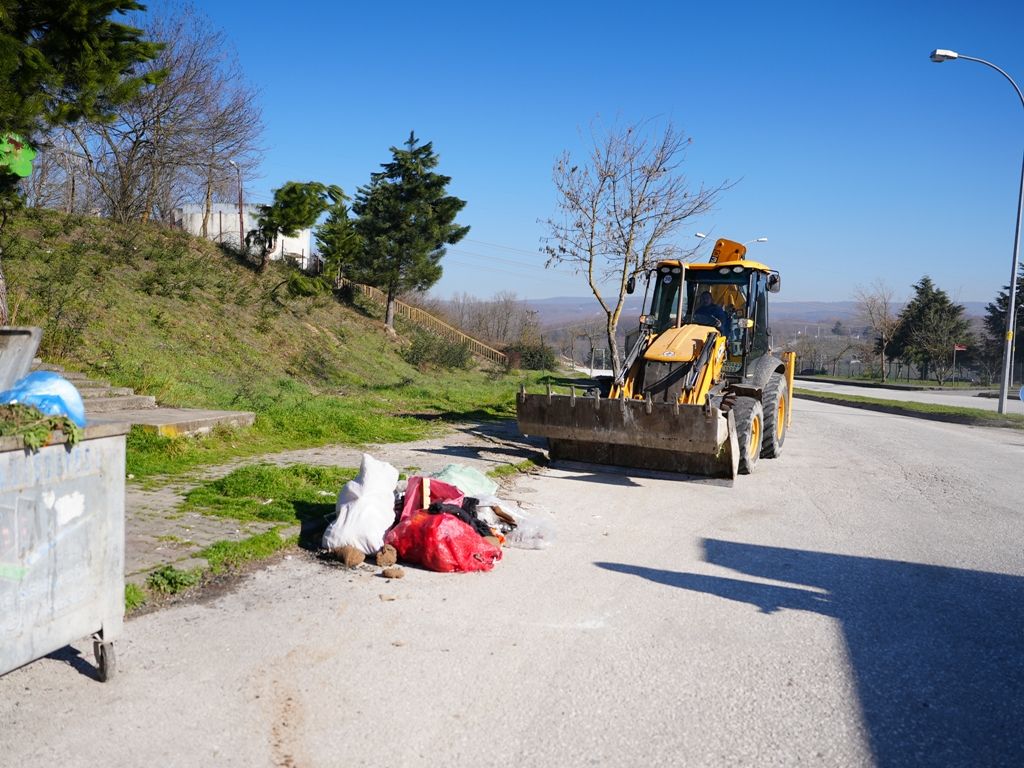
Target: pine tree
(297, 205)
(930, 325)
(405, 220)
(61, 61)
(994, 340)
(338, 242)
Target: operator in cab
(709, 313)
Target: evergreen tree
(61, 61)
(930, 325)
(994, 340)
(405, 220)
(338, 242)
(297, 205)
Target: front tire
(749, 431)
(776, 414)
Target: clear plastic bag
(533, 529)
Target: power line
(490, 257)
(503, 247)
(536, 276)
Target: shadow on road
(937, 653)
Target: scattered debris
(442, 526)
(350, 556)
(387, 598)
(387, 556)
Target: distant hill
(566, 310)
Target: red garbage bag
(441, 543)
(436, 490)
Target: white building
(223, 224)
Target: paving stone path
(158, 531)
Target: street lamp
(241, 217)
(940, 55)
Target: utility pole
(241, 216)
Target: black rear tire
(749, 415)
(776, 414)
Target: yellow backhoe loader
(701, 390)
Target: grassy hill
(173, 316)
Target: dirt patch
(213, 586)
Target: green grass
(508, 470)
(975, 416)
(171, 316)
(267, 492)
(225, 555)
(168, 580)
(134, 597)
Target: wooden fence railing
(427, 321)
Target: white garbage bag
(366, 508)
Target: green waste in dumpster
(34, 427)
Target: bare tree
(174, 142)
(503, 319)
(619, 209)
(877, 310)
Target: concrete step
(91, 383)
(73, 376)
(119, 403)
(175, 422)
(90, 392)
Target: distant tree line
(924, 336)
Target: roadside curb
(951, 418)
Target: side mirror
(774, 282)
(631, 284)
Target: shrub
(531, 357)
(427, 350)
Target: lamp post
(241, 216)
(938, 56)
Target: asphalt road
(961, 398)
(859, 601)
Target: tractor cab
(728, 294)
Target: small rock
(393, 572)
(387, 556)
(387, 598)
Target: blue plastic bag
(51, 393)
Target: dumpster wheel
(105, 659)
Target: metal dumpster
(62, 546)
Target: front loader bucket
(690, 439)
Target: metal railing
(427, 321)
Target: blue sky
(855, 155)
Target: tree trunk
(4, 315)
(208, 205)
(3, 299)
(389, 311)
(613, 347)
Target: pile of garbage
(449, 521)
(37, 405)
